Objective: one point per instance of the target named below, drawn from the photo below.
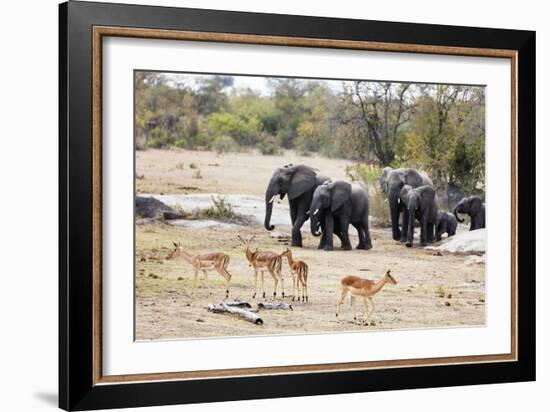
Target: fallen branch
(243, 313)
(274, 305)
(238, 304)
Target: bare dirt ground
(434, 290)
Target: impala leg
(343, 293)
(206, 280)
(366, 304)
(372, 311)
(352, 303)
(275, 283)
(263, 287)
(294, 281)
(280, 276)
(255, 283)
(195, 275)
(227, 277)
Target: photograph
(269, 205)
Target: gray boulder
(151, 208)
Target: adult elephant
(299, 182)
(391, 182)
(475, 208)
(420, 204)
(339, 204)
(446, 223)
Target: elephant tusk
(272, 198)
(316, 211)
(308, 212)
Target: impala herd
(272, 262)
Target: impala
(364, 288)
(204, 262)
(262, 261)
(299, 271)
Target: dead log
(238, 304)
(274, 305)
(243, 313)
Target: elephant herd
(331, 206)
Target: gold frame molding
(103, 31)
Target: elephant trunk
(410, 233)
(315, 226)
(393, 200)
(268, 212)
(455, 212)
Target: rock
(470, 242)
(447, 303)
(151, 208)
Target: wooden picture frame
(82, 385)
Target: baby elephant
(445, 223)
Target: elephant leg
(293, 212)
(338, 234)
(365, 227)
(424, 230)
(439, 230)
(430, 227)
(361, 234)
(323, 240)
(329, 229)
(344, 228)
(296, 235)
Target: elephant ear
(475, 205)
(340, 192)
(303, 179)
(428, 193)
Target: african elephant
(339, 204)
(299, 182)
(446, 223)
(419, 203)
(475, 208)
(391, 183)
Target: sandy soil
(434, 290)
(175, 171)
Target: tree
(384, 108)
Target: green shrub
(221, 210)
(269, 144)
(378, 206)
(366, 173)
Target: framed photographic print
(257, 205)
